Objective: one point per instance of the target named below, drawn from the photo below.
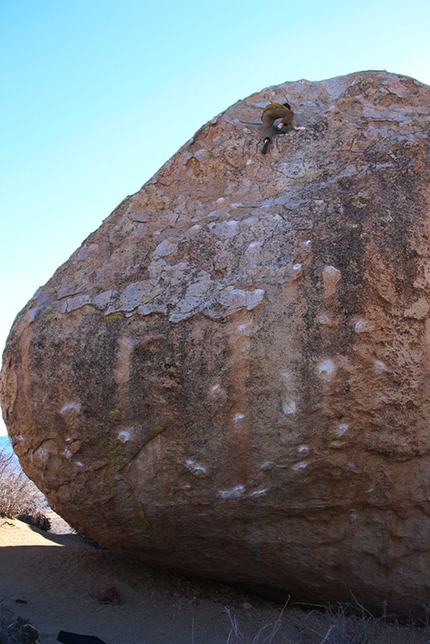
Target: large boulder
(230, 377)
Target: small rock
(109, 596)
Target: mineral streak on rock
(230, 378)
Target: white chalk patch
(215, 388)
(299, 466)
(352, 516)
(235, 492)
(238, 417)
(364, 326)
(195, 468)
(67, 453)
(331, 277)
(302, 449)
(20, 438)
(288, 407)
(69, 440)
(308, 242)
(260, 492)
(326, 369)
(249, 162)
(243, 328)
(268, 465)
(79, 464)
(43, 454)
(340, 431)
(220, 200)
(70, 407)
(254, 244)
(296, 272)
(124, 436)
(323, 319)
(380, 366)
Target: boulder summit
(230, 377)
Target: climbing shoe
(265, 146)
(280, 130)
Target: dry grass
(345, 624)
(266, 635)
(15, 631)
(353, 624)
(18, 495)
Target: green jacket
(278, 105)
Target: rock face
(230, 378)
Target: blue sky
(96, 94)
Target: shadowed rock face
(230, 377)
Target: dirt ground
(52, 578)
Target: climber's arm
(293, 125)
(296, 127)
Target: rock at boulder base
(230, 377)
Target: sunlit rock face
(230, 377)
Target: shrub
(18, 495)
(19, 631)
(15, 631)
(37, 519)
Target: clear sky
(95, 95)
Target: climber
(271, 113)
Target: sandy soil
(52, 579)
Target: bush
(20, 631)
(18, 495)
(37, 519)
(15, 631)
